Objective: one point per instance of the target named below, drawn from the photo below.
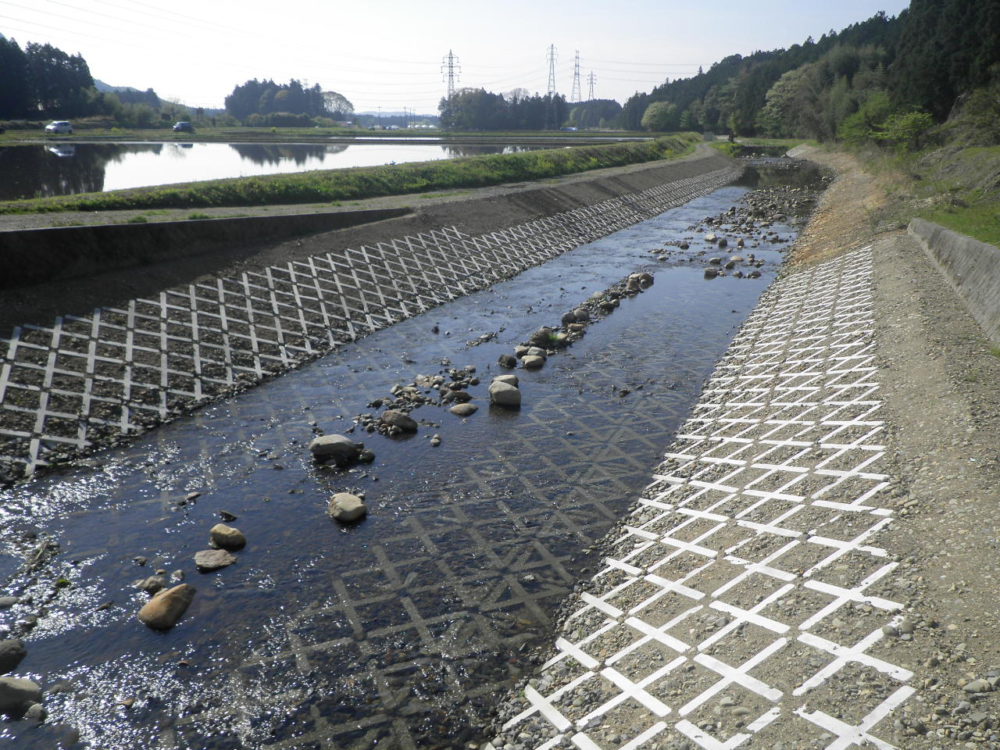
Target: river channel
(65, 168)
(405, 629)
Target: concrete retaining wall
(34, 256)
(972, 267)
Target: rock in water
(533, 362)
(167, 607)
(36, 712)
(507, 361)
(464, 410)
(11, 653)
(510, 379)
(337, 448)
(212, 559)
(400, 420)
(227, 537)
(345, 507)
(542, 337)
(152, 584)
(17, 694)
(505, 394)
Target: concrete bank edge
(971, 267)
(34, 256)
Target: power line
(591, 80)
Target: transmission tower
(450, 69)
(552, 69)
(591, 80)
(575, 93)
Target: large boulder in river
(337, 448)
(505, 394)
(12, 651)
(533, 362)
(208, 560)
(464, 410)
(347, 508)
(227, 537)
(167, 607)
(400, 420)
(17, 694)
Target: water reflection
(278, 153)
(69, 168)
(456, 151)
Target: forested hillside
(885, 79)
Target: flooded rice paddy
(61, 168)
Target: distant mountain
(129, 95)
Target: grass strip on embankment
(965, 182)
(368, 182)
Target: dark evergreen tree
(478, 109)
(61, 83)
(15, 87)
(267, 97)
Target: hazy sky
(389, 53)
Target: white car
(59, 126)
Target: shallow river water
(405, 629)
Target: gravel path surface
(812, 564)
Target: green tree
(906, 132)
(59, 81)
(661, 117)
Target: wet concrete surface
(402, 630)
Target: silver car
(59, 126)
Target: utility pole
(450, 69)
(552, 69)
(591, 80)
(575, 93)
